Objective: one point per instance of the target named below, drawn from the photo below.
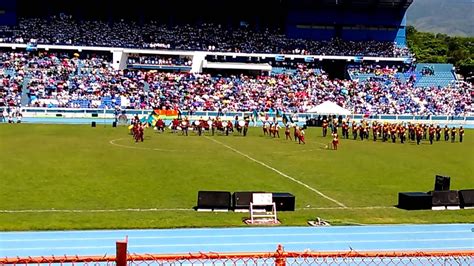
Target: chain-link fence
(277, 258)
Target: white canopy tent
(329, 107)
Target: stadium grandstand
(290, 61)
(210, 67)
(291, 58)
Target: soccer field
(78, 177)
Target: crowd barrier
(107, 116)
(111, 113)
(278, 258)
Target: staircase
(401, 78)
(25, 99)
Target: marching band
(383, 131)
(394, 131)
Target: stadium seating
(442, 76)
(53, 81)
(65, 30)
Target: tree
(441, 48)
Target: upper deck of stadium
(369, 28)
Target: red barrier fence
(277, 258)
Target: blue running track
(255, 239)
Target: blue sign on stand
(280, 58)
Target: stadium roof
(354, 3)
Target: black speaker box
(242, 199)
(445, 198)
(93, 124)
(466, 197)
(284, 201)
(213, 200)
(114, 124)
(442, 183)
(414, 200)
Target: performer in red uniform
(160, 125)
(375, 130)
(301, 136)
(335, 141)
(345, 130)
(139, 134)
(431, 132)
(325, 127)
(264, 128)
(438, 133)
(287, 132)
(419, 134)
(296, 132)
(276, 130)
(453, 134)
(401, 133)
(135, 130)
(461, 133)
(175, 125)
(355, 128)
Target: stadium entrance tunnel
(335, 68)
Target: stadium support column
(198, 61)
(119, 59)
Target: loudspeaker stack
(440, 198)
(240, 201)
(466, 198)
(213, 200)
(447, 198)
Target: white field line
(349, 208)
(306, 234)
(136, 148)
(279, 172)
(96, 210)
(172, 209)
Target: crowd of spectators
(54, 80)
(10, 84)
(65, 30)
(377, 70)
(159, 60)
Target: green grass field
(51, 168)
